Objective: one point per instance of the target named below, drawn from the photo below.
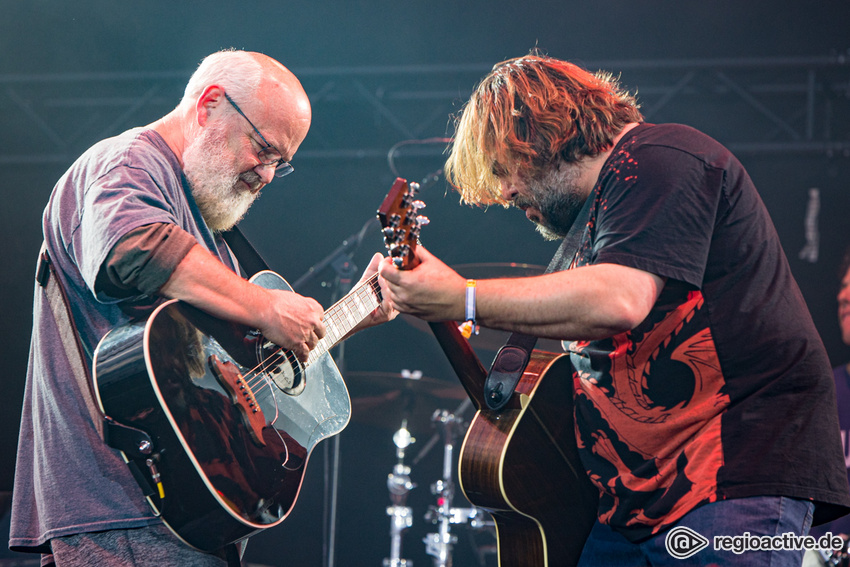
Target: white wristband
(469, 326)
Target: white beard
(208, 163)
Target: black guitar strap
(513, 357)
(245, 253)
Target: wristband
(469, 326)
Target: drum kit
(410, 402)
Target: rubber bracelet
(469, 326)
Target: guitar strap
(513, 357)
(245, 253)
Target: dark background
(769, 79)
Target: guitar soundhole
(288, 375)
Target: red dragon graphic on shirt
(652, 440)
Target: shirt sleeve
(656, 212)
(120, 200)
(143, 260)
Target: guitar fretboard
(346, 313)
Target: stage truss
(791, 105)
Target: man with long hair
(703, 393)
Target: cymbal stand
(398, 483)
(439, 545)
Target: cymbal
(491, 339)
(385, 399)
(486, 270)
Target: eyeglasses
(269, 155)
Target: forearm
(590, 302)
(204, 282)
(586, 303)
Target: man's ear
(212, 97)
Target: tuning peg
(388, 232)
(422, 220)
(417, 204)
(414, 187)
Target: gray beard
(558, 199)
(213, 178)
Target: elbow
(621, 318)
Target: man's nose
(506, 188)
(266, 173)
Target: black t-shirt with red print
(725, 390)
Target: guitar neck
(463, 360)
(346, 314)
(399, 215)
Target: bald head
(250, 78)
(242, 117)
(280, 99)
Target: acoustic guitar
(231, 418)
(519, 463)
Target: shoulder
(138, 148)
(678, 142)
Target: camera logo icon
(682, 542)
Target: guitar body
(521, 464)
(233, 418)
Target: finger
(423, 253)
(311, 340)
(388, 271)
(374, 262)
(300, 352)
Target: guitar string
(366, 293)
(368, 289)
(365, 290)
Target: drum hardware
(399, 484)
(836, 557)
(439, 545)
(384, 399)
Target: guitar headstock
(401, 222)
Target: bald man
(138, 218)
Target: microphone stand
(345, 271)
(341, 254)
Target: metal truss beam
(788, 105)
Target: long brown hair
(527, 114)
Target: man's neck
(592, 167)
(171, 128)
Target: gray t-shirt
(67, 480)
